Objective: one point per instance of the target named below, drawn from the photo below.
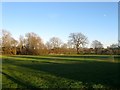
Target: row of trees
(32, 44)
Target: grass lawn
(60, 71)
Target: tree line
(32, 44)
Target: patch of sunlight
(63, 59)
(16, 58)
(98, 86)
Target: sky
(96, 20)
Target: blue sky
(98, 21)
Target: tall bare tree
(8, 43)
(79, 40)
(6, 38)
(34, 44)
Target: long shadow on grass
(38, 57)
(16, 80)
(105, 73)
(84, 56)
(65, 58)
(102, 57)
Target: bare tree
(13, 46)
(6, 38)
(34, 44)
(114, 46)
(64, 48)
(21, 45)
(97, 45)
(54, 44)
(8, 43)
(48, 45)
(79, 40)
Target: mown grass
(59, 71)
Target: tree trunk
(77, 50)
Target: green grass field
(60, 71)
